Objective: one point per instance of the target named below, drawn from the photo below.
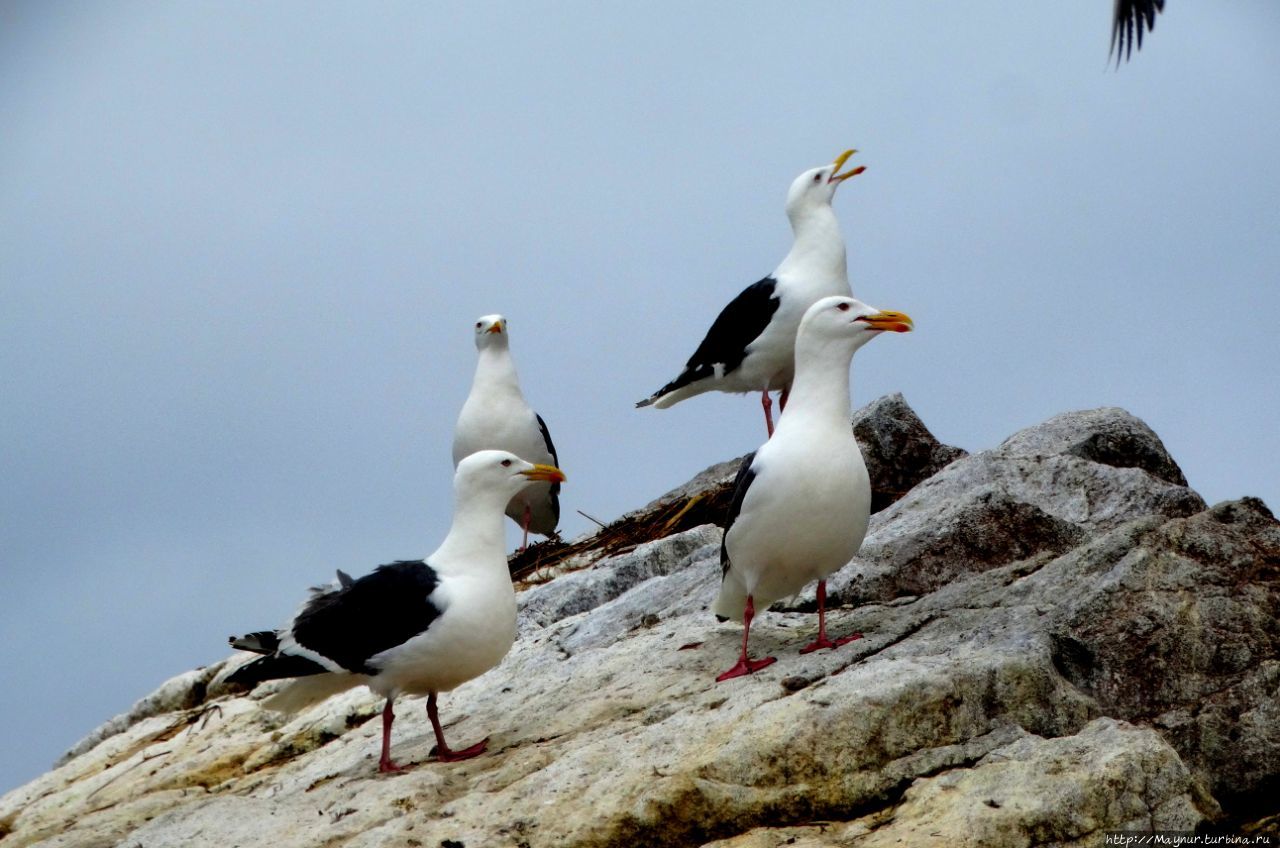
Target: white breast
(771, 359)
(802, 519)
(472, 636)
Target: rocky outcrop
(1060, 639)
(899, 450)
(1110, 775)
(1045, 490)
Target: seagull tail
(731, 602)
(314, 682)
(677, 390)
(261, 642)
(306, 691)
(274, 667)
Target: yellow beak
(548, 473)
(894, 322)
(496, 327)
(836, 176)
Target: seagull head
(845, 320)
(490, 330)
(816, 186)
(500, 474)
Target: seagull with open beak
(751, 345)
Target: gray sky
(242, 247)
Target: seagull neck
(818, 242)
(497, 370)
(820, 388)
(477, 534)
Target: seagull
(802, 501)
(496, 416)
(751, 344)
(409, 627)
(1128, 21)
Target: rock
(965, 536)
(1046, 466)
(1034, 494)
(898, 449)
(1111, 775)
(1059, 639)
(1108, 436)
(584, 590)
(180, 693)
(1187, 635)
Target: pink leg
(822, 641)
(524, 525)
(443, 752)
(782, 399)
(767, 403)
(746, 665)
(385, 764)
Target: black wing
(274, 667)
(348, 624)
(551, 449)
(740, 485)
(1132, 17)
(381, 610)
(555, 458)
(738, 325)
(268, 641)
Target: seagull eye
(817, 178)
(506, 463)
(843, 307)
(479, 325)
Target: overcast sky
(242, 246)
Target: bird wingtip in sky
(1131, 18)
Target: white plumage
(751, 345)
(409, 627)
(496, 416)
(802, 502)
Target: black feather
(741, 483)
(261, 642)
(1132, 18)
(349, 624)
(555, 459)
(381, 610)
(738, 325)
(274, 667)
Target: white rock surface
(991, 708)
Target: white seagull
(751, 345)
(497, 417)
(802, 501)
(410, 627)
